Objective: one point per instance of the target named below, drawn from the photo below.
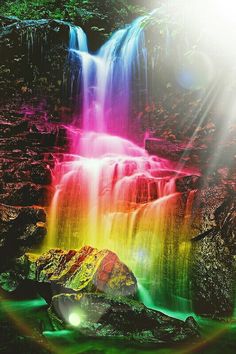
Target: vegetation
(103, 16)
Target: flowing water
(107, 77)
(109, 193)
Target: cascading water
(109, 193)
(107, 77)
(77, 42)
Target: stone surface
(205, 203)
(28, 140)
(85, 270)
(213, 272)
(20, 229)
(120, 318)
(180, 152)
(188, 183)
(33, 57)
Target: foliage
(105, 14)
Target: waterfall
(77, 40)
(109, 193)
(114, 195)
(107, 76)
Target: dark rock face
(20, 229)
(188, 183)
(85, 270)
(213, 277)
(207, 200)
(34, 56)
(28, 139)
(213, 264)
(33, 59)
(119, 317)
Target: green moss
(96, 13)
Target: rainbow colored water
(109, 193)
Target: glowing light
(74, 319)
(211, 21)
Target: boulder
(87, 269)
(100, 315)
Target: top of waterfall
(78, 39)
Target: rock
(180, 152)
(28, 171)
(8, 20)
(225, 218)
(118, 317)
(205, 203)
(20, 229)
(188, 183)
(85, 270)
(214, 261)
(25, 194)
(41, 174)
(212, 276)
(33, 60)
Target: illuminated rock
(87, 269)
(99, 315)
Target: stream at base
(216, 336)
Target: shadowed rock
(20, 228)
(213, 263)
(118, 317)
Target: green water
(31, 316)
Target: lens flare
(74, 319)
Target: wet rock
(25, 194)
(119, 317)
(181, 152)
(85, 270)
(188, 183)
(8, 129)
(20, 229)
(8, 20)
(33, 58)
(41, 174)
(27, 171)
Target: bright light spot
(74, 319)
(209, 23)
